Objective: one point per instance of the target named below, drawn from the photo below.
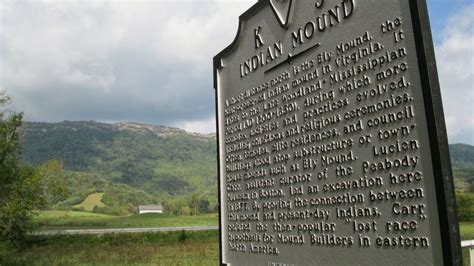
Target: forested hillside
(142, 164)
(132, 163)
(462, 155)
(462, 159)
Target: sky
(151, 61)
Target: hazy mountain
(462, 155)
(462, 159)
(159, 161)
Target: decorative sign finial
(282, 10)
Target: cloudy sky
(151, 61)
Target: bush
(77, 209)
(20, 184)
(182, 236)
(465, 206)
(70, 202)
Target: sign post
(332, 141)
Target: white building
(150, 209)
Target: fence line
(470, 245)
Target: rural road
(124, 230)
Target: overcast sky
(151, 61)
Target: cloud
(455, 60)
(147, 61)
(202, 126)
(151, 61)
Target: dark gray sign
(332, 142)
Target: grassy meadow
(467, 231)
(61, 220)
(90, 202)
(174, 248)
(170, 248)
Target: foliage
(59, 220)
(465, 206)
(462, 155)
(45, 215)
(462, 160)
(93, 201)
(117, 199)
(182, 236)
(467, 230)
(118, 195)
(53, 182)
(464, 178)
(20, 185)
(138, 167)
(130, 167)
(72, 143)
(198, 248)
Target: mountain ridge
(165, 163)
(132, 126)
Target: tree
(194, 204)
(53, 183)
(203, 205)
(20, 188)
(465, 206)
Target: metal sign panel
(332, 143)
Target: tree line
(25, 189)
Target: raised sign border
(443, 174)
(441, 161)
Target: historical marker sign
(332, 142)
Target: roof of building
(150, 207)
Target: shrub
(182, 236)
(465, 206)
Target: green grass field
(60, 220)
(177, 248)
(90, 202)
(46, 215)
(467, 231)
